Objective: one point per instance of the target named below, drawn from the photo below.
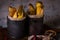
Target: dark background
(51, 10)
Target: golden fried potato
(31, 9)
(39, 9)
(12, 10)
(19, 13)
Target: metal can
(16, 28)
(35, 25)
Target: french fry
(12, 10)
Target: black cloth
(57, 36)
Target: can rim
(16, 19)
(34, 16)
